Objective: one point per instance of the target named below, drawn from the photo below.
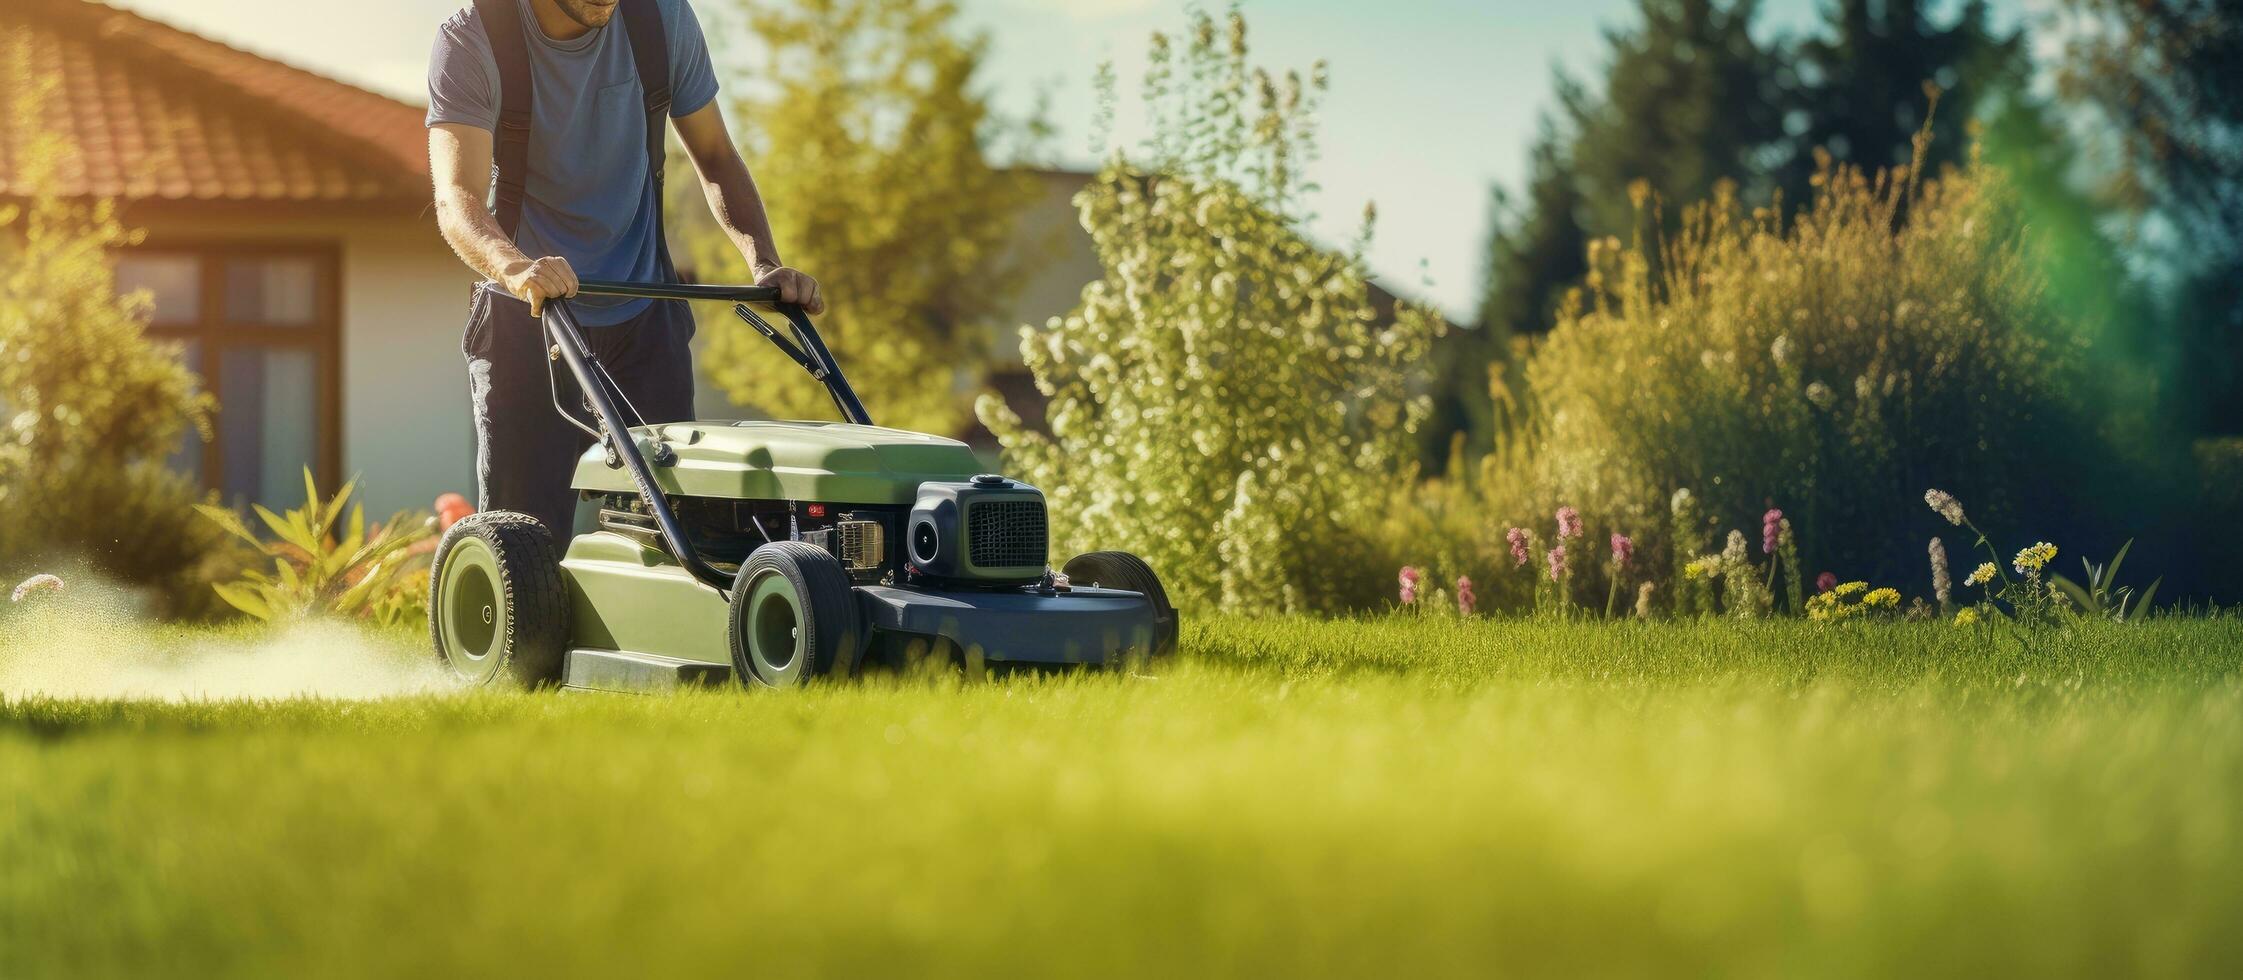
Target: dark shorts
(525, 452)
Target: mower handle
(806, 348)
(604, 397)
(767, 295)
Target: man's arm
(459, 161)
(738, 207)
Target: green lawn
(1288, 797)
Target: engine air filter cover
(989, 529)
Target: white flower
(1945, 505)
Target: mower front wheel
(497, 607)
(1129, 573)
(793, 617)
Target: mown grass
(1288, 798)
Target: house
(292, 254)
(290, 249)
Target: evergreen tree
(1861, 92)
(1535, 250)
(1689, 100)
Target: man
(580, 196)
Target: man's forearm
(738, 209)
(475, 236)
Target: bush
(1894, 337)
(323, 565)
(1222, 401)
(91, 407)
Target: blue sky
(1432, 101)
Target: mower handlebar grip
(767, 295)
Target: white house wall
(407, 429)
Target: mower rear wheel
(793, 617)
(1125, 571)
(497, 607)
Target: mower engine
(985, 531)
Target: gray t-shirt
(587, 197)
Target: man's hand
(535, 281)
(794, 287)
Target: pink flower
(1771, 525)
(1557, 563)
(1622, 550)
(1569, 523)
(1517, 537)
(1409, 585)
(1825, 582)
(1465, 600)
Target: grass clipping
(81, 638)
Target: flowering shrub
(1223, 401)
(1819, 363)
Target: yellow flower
(1850, 589)
(2035, 558)
(1822, 606)
(1702, 568)
(1984, 574)
(1882, 599)
(1966, 617)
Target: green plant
(867, 128)
(357, 570)
(1225, 400)
(89, 407)
(1819, 363)
(2102, 596)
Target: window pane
(279, 291)
(174, 281)
(268, 425)
(188, 457)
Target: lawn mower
(773, 553)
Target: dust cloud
(92, 640)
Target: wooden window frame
(213, 334)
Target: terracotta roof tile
(156, 113)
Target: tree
(92, 408)
(1689, 101)
(867, 136)
(1223, 400)
(2167, 78)
(1684, 107)
(1864, 86)
(1534, 256)
(1535, 251)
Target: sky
(1432, 102)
